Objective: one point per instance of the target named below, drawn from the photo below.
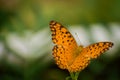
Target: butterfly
(68, 54)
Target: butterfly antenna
(79, 42)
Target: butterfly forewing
(61, 36)
(94, 50)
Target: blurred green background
(25, 40)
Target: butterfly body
(68, 54)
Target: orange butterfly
(68, 55)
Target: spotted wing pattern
(88, 53)
(68, 55)
(63, 51)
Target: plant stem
(74, 76)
